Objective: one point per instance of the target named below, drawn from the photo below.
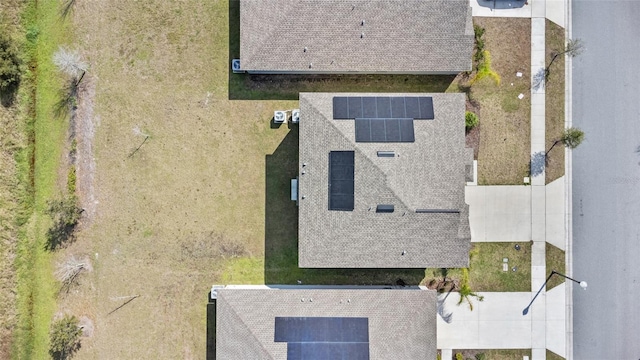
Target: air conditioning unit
(279, 117)
(295, 116)
(235, 66)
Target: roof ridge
(236, 315)
(356, 147)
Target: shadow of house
(288, 86)
(281, 232)
(211, 328)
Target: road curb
(568, 193)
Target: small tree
(65, 215)
(9, 67)
(573, 48)
(571, 138)
(70, 63)
(65, 338)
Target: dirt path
(85, 125)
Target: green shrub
(71, 180)
(484, 69)
(65, 338)
(9, 66)
(459, 356)
(481, 356)
(470, 120)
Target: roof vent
(279, 116)
(305, 49)
(361, 35)
(385, 209)
(362, 24)
(310, 65)
(386, 154)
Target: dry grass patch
(554, 258)
(554, 100)
(504, 140)
(502, 354)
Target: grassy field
(485, 268)
(554, 101)
(553, 356)
(13, 142)
(555, 261)
(504, 143)
(34, 142)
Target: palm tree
(465, 291)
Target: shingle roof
(402, 323)
(426, 174)
(398, 36)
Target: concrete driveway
(499, 213)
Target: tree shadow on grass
(281, 233)
(287, 87)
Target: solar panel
(384, 130)
(321, 329)
(383, 107)
(426, 108)
(340, 107)
(355, 107)
(341, 183)
(319, 338)
(369, 107)
(324, 351)
(397, 107)
(385, 208)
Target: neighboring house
(382, 181)
(309, 324)
(356, 36)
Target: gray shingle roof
(402, 323)
(398, 36)
(426, 174)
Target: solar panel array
(383, 107)
(341, 180)
(316, 338)
(384, 130)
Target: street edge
(568, 192)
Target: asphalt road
(606, 180)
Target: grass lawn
(485, 267)
(553, 356)
(502, 354)
(504, 140)
(555, 261)
(554, 101)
